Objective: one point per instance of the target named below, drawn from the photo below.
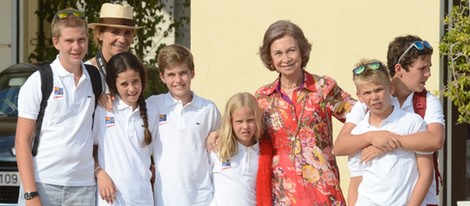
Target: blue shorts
(55, 195)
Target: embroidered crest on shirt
(226, 165)
(58, 92)
(162, 118)
(109, 121)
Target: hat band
(117, 21)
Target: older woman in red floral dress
(298, 108)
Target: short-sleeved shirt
(66, 144)
(182, 161)
(390, 178)
(119, 135)
(235, 180)
(433, 114)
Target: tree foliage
(149, 14)
(456, 46)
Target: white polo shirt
(182, 161)
(119, 135)
(433, 114)
(390, 178)
(66, 144)
(235, 180)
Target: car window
(10, 84)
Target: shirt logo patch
(109, 121)
(226, 165)
(58, 92)
(162, 118)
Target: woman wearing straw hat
(113, 33)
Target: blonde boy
(399, 177)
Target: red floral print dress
(304, 169)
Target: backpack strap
(47, 81)
(419, 102)
(419, 106)
(95, 77)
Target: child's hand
(384, 140)
(106, 187)
(212, 141)
(106, 101)
(369, 153)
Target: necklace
(293, 137)
(289, 87)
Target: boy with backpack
(409, 63)
(61, 171)
(399, 177)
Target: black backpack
(47, 81)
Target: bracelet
(97, 169)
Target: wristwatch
(30, 195)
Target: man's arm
(347, 143)
(24, 138)
(425, 169)
(427, 141)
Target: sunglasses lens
(358, 70)
(426, 44)
(78, 14)
(62, 15)
(374, 66)
(419, 45)
(66, 13)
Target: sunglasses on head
(419, 45)
(361, 69)
(62, 14)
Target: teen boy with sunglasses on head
(62, 171)
(409, 63)
(399, 177)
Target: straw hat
(117, 16)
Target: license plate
(9, 179)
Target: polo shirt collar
(56, 66)
(121, 105)
(254, 147)
(392, 118)
(195, 102)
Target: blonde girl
(242, 155)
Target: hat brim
(93, 25)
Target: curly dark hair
(398, 46)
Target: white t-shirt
(66, 144)
(182, 161)
(235, 180)
(390, 178)
(433, 114)
(121, 153)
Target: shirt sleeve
(434, 113)
(355, 166)
(98, 125)
(357, 113)
(29, 97)
(339, 101)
